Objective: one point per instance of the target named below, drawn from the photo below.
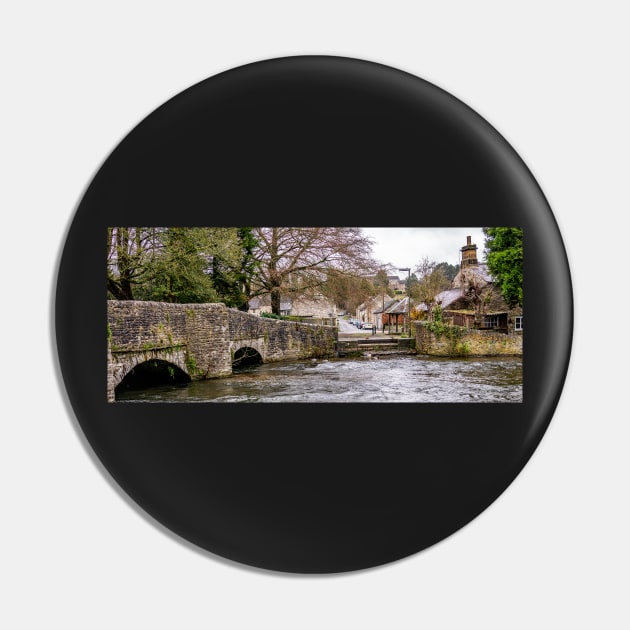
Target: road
(346, 329)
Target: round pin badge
(262, 377)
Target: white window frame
(518, 323)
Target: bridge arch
(246, 355)
(152, 372)
(248, 351)
(203, 340)
(155, 367)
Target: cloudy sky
(406, 247)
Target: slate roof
(480, 270)
(399, 307)
(448, 297)
(389, 302)
(494, 302)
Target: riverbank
(451, 341)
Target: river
(394, 378)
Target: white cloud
(406, 247)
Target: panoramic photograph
(314, 314)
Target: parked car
(367, 325)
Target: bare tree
(431, 281)
(296, 260)
(475, 288)
(347, 291)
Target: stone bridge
(200, 341)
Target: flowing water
(397, 378)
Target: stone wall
(191, 336)
(278, 340)
(467, 343)
(201, 339)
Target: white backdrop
(552, 551)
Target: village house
(394, 317)
(394, 283)
(315, 307)
(474, 300)
(372, 309)
(398, 285)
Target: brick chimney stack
(469, 253)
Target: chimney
(469, 253)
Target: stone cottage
(316, 307)
(475, 301)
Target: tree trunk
(121, 290)
(274, 276)
(275, 300)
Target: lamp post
(408, 270)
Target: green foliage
(381, 283)
(129, 253)
(504, 257)
(449, 271)
(441, 329)
(232, 277)
(180, 264)
(453, 333)
(179, 270)
(191, 364)
(231, 265)
(432, 281)
(462, 348)
(271, 316)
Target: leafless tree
(431, 281)
(475, 288)
(296, 260)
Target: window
(518, 322)
(491, 321)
